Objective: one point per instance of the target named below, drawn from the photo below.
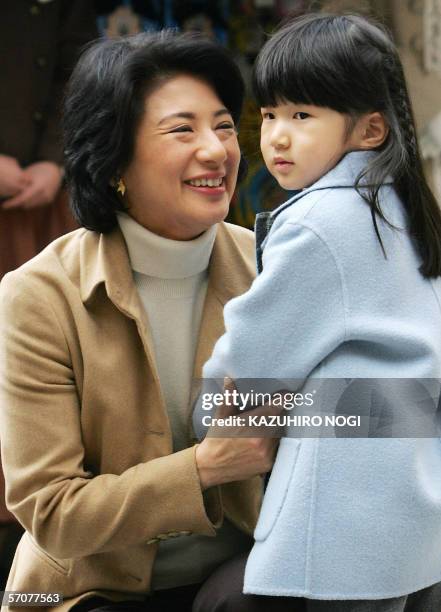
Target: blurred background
(40, 41)
(243, 26)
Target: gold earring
(120, 187)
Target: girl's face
(184, 170)
(301, 142)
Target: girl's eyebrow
(188, 115)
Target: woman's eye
(181, 128)
(225, 126)
(267, 115)
(301, 115)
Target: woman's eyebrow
(188, 115)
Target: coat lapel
(108, 263)
(229, 276)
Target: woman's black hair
(105, 102)
(349, 63)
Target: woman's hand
(220, 460)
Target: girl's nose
(279, 138)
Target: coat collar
(344, 174)
(104, 261)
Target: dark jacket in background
(39, 44)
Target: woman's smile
(183, 174)
(209, 184)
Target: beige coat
(86, 441)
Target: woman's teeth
(206, 182)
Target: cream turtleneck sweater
(172, 277)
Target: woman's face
(184, 168)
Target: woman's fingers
(240, 443)
(221, 460)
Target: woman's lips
(211, 191)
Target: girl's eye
(301, 115)
(181, 128)
(267, 115)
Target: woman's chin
(214, 212)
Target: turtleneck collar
(160, 257)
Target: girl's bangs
(279, 81)
(316, 68)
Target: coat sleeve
(69, 511)
(291, 318)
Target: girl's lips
(283, 166)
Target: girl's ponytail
(422, 207)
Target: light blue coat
(341, 518)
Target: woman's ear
(370, 131)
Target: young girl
(349, 287)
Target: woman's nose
(212, 149)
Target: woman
(102, 332)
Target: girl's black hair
(105, 102)
(349, 63)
